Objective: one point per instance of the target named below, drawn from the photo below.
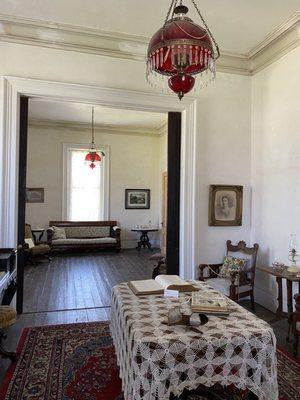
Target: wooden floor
(81, 282)
(77, 289)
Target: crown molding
(92, 41)
(86, 128)
(278, 43)
(134, 47)
(162, 129)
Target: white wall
(224, 157)
(132, 165)
(223, 143)
(276, 166)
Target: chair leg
(4, 353)
(296, 342)
(252, 300)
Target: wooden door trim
(22, 199)
(173, 212)
(164, 208)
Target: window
(85, 189)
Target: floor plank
(81, 281)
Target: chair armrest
(239, 278)
(25, 247)
(212, 268)
(115, 232)
(50, 233)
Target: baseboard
(265, 298)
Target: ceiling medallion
(93, 158)
(180, 50)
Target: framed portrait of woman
(225, 205)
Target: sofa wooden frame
(115, 232)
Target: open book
(161, 282)
(209, 305)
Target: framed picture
(225, 205)
(35, 195)
(137, 199)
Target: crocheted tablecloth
(156, 360)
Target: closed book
(209, 305)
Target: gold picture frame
(225, 205)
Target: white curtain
(85, 186)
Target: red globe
(181, 84)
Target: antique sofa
(83, 236)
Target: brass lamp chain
(93, 134)
(207, 28)
(171, 8)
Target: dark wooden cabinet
(8, 275)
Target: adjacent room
(150, 237)
(91, 225)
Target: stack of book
(209, 305)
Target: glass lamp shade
(180, 47)
(92, 159)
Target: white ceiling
(238, 25)
(56, 111)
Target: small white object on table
(156, 360)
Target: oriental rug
(77, 362)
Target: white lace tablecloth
(156, 360)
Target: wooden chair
(160, 267)
(296, 323)
(35, 250)
(240, 284)
(8, 317)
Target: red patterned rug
(77, 362)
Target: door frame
(164, 208)
(12, 88)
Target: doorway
(13, 88)
(130, 159)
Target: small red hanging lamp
(93, 158)
(181, 49)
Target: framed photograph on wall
(225, 205)
(34, 195)
(137, 199)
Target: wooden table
(144, 238)
(290, 278)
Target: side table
(144, 238)
(38, 234)
(290, 278)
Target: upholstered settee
(82, 236)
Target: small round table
(144, 238)
(38, 233)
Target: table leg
(289, 286)
(140, 243)
(144, 241)
(279, 312)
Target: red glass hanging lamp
(93, 158)
(181, 49)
